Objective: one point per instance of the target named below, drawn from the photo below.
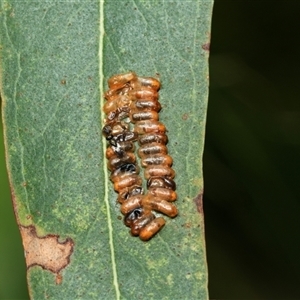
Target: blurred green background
(252, 151)
(251, 159)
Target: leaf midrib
(105, 172)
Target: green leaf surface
(55, 60)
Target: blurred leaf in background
(252, 153)
(12, 263)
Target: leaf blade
(56, 101)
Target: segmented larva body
(137, 98)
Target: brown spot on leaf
(63, 81)
(199, 203)
(46, 252)
(58, 279)
(185, 116)
(187, 225)
(206, 46)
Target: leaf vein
(106, 200)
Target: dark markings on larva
(148, 82)
(143, 115)
(149, 126)
(129, 168)
(120, 149)
(163, 182)
(116, 162)
(137, 221)
(163, 193)
(137, 98)
(132, 203)
(145, 94)
(157, 159)
(160, 138)
(120, 113)
(152, 148)
(119, 81)
(159, 171)
(147, 105)
(127, 192)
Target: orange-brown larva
(147, 105)
(148, 126)
(158, 181)
(121, 147)
(128, 168)
(162, 206)
(152, 228)
(131, 204)
(145, 94)
(143, 115)
(163, 193)
(137, 98)
(160, 138)
(127, 192)
(138, 219)
(111, 106)
(148, 82)
(117, 161)
(152, 148)
(127, 180)
(120, 80)
(156, 159)
(160, 171)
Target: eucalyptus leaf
(56, 58)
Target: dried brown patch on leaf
(185, 116)
(46, 252)
(199, 203)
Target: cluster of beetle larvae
(136, 99)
